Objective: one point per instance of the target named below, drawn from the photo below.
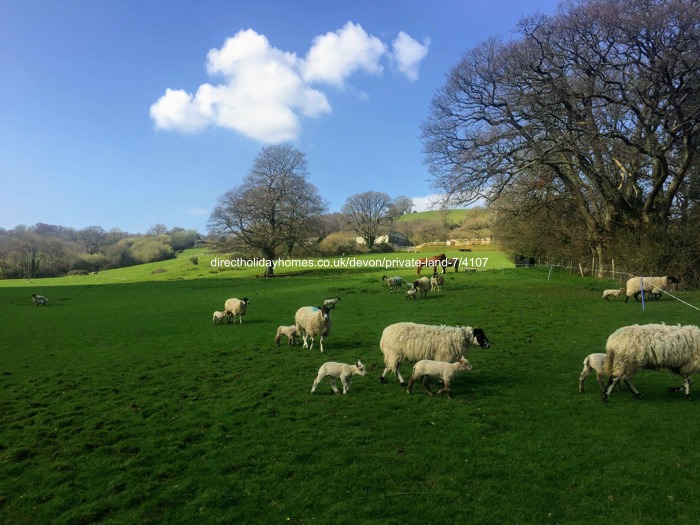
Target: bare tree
(401, 205)
(598, 104)
(274, 207)
(93, 237)
(367, 213)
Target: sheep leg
(335, 388)
(426, 385)
(320, 343)
(687, 382)
(582, 378)
(611, 384)
(445, 388)
(304, 335)
(601, 382)
(316, 382)
(635, 392)
(346, 384)
(411, 380)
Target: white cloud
(428, 202)
(408, 54)
(265, 92)
(197, 212)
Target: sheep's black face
(672, 279)
(481, 338)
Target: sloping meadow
(123, 403)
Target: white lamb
(413, 342)
(411, 294)
(422, 285)
(394, 283)
(312, 321)
(235, 308)
(652, 346)
(218, 317)
(289, 331)
(593, 362)
(653, 286)
(427, 368)
(339, 370)
(40, 300)
(330, 303)
(607, 294)
(436, 282)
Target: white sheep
(330, 303)
(312, 321)
(422, 285)
(411, 294)
(614, 293)
(339, 370)
(235, 308)
(427, 368)
(413, 342)
(436, 282)
(40, 300)
(653, 286)
(289, 331)
(394, 283)
(593, 362)
(652, 346)
(218, 317)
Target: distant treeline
(46, 250)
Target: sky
(126, 114)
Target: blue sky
(125, 114)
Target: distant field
(120, 402)
(455, 216)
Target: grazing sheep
(411, 294)
(312, 321)
(330, 303)
(339, 370)
(413, 342)
(612, 293)
(218, 317)
(593, 362)
(422, 285)
(394, 283)
(436, 282)
(235, 307)
(289, 331)
(426, 369)
(652, 346)
(40, 300)
(653, 286)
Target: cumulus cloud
(264, 92)
(408, 54)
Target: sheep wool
(653, 286)
(422, 285)
(652, 346)
(592, 362)
(426, 369)
(339, 370)
(289, 331)
(312, 321)
(413, 342)
(235, 308)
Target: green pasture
(122, 403)
(454, 216)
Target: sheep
(414, 342)
(653, 286)
(436, 282)
(339, 370)
(427, 368)
(394, 283)
(411, 294)
(289, 331)
(422, 285)
(218, 317)
(312, 321)
(40, 300)
(614, 293)
(330, 303)
(652, 346)
(592, 362)
(235, 307)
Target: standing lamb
(218, 317)
(289, 331)
(394, 283)
(653, 286)
(426, 369)
(40, 300)
(235, 307)
(312, 321)
(652, 346)
(330, 303)
(422, 285)
(593, 362)
(411, 294)
(413, 342)
(436, 282)
(339, 370)
(615, 293)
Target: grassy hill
(454, 216)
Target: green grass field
(122, 403)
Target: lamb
(235, 307)
(436, 282)
(218, 317)
(289, 331)
(339, 370)
(413, 342)
(612, 293)
(411, 294)
(427, 368)
(653, 286)
(312, 321)
(593, 362)
(40, 300)
(394, 283)
(331, 302)
(652, 346)
(422, 285)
